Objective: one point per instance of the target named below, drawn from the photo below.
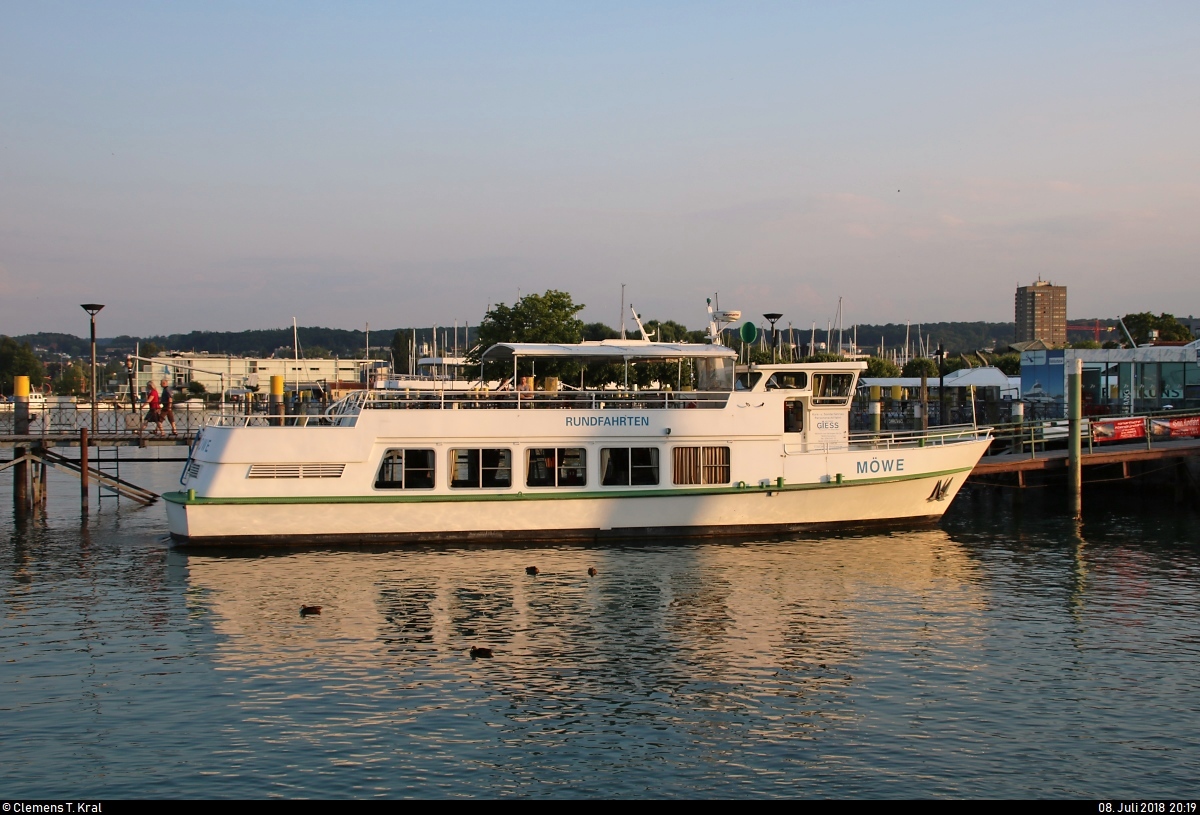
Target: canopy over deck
(609, 350)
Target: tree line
(548, 317)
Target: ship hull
(737, 510)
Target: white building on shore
(240, 374)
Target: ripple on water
(1009, 653)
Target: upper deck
(711, 367)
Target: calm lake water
(1007, 653)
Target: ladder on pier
(104, 479)
(110, 466)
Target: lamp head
(92, 308)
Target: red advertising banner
(1175, 428)
(1118, 429)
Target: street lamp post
(773, 318)
(92, 309)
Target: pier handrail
(1030, 435)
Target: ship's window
(793, 416)
(405, 470)
(701, 465)
(746, 380)
(556, 467)
(481, 468)
(714, 374)
(789, 382)
(626, 466)
(831, 389)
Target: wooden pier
(1051, 460)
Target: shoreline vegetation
(552, 317)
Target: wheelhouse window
(628, 466)
(793, 416)
(405, 470)
(831, 389)
(746, 380)
(484, 467)
(714, 374)
(790, 382)
(556, 467)
(701, 465)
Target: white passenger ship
(751, 450)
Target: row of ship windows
(409, 469)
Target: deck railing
(529, 400)
(947, 434)
(269, 420)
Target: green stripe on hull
(468, 497)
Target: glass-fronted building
(1118, 381)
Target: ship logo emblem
(940, 490)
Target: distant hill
(261, 342)
(956, 337)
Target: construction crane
(1095, 329)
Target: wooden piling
(83, 468)
(1018, 419)
(924, 401)
(1074, 440)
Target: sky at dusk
(232, 166)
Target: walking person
(154, 413)
(167, 401)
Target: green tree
(1169, 330)
(17, 359)
(196, 388)
(549, 317)
(1010, 364)
(671, 331)
(594, 332)
(916, 365)
(877, 367)
(73, 381)
(401, 345)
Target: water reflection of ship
(792, 606)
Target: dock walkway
(1057, 459)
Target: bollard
(20, 428)
(1074, 445)
(83, 470)
(1018, 419)
(873, 410)
(276, 406)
